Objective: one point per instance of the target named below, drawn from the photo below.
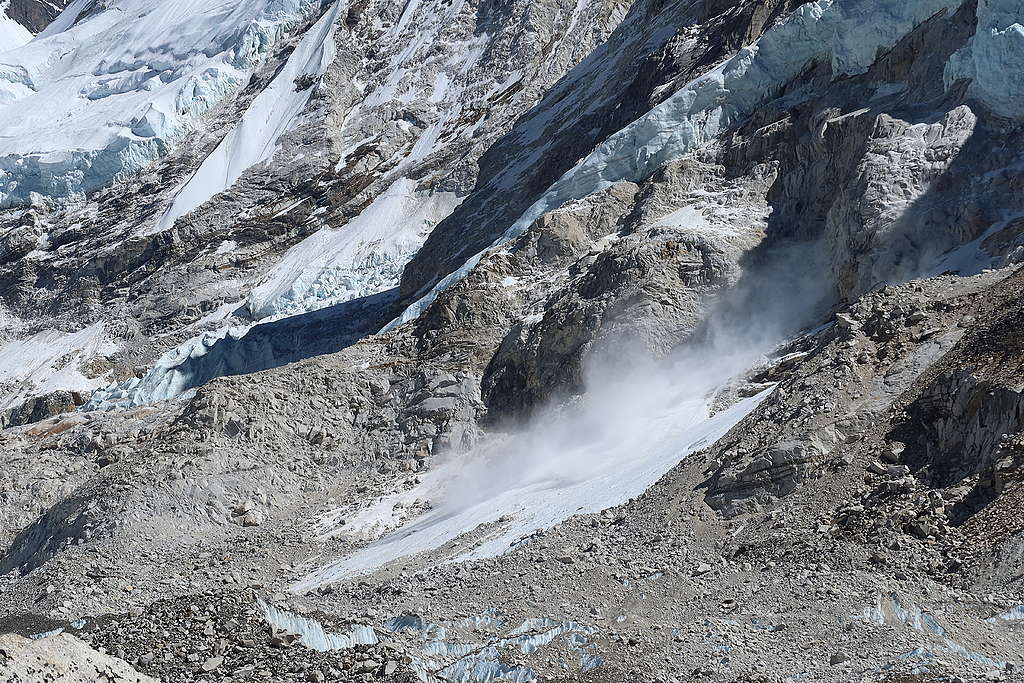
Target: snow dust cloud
(638, 418)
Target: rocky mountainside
(479, 340)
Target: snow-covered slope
(88, 102)
(12, 34)
(271, 113)
(363, 257)
(49, 361)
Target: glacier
(363, 257)
(129, 91)
(320, 289)
(847, 33)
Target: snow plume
(639, 417)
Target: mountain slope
(538, 341)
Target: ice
(360, 260)
(1014, 614)
(271, 114)
(312, 632)
(848, 33)
(226, 247)
(363, 257)
(12, 34)
(476, 663)
(994, 58)
(99, 95)
(889, 610)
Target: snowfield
(273, 113)
(49, 361)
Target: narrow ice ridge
(847, 33)
(271, 114)
(994, 58)
(133, 77)
(539, 481)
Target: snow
(12, 34)
(994, 58)
(97, 97)
(363, 257)
(848, 33)
(226, 247)
(272, 113)
(49, 361)
(542, 479)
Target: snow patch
(12, 34)
(50, 361)
(363, 257)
